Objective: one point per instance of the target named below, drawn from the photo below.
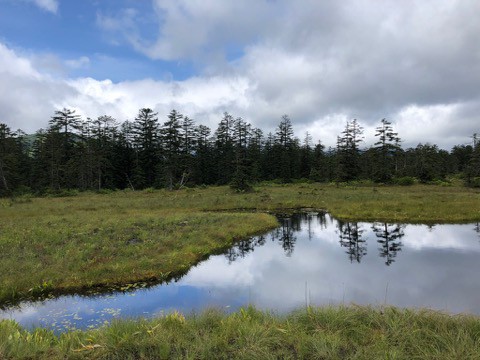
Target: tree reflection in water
(322, 219)
(244, 247)
(351, 238)
(284, 234)
(308, 218)
(389, 236)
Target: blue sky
(321, 62)
(74, 31)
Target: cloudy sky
(416, 63)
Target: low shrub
(404, 181)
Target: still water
(310, 259)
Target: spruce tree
(472, 172)
(172, 141)
(187, 149)
(146, 140)
(348, 152)
(104, 136)
(10, 154)
(306, 157)
(319, 169)
(241, 180)
(284, 150)
(204, 168)
(386, 149)
(63, 131)
(224, 149)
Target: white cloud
(12, 64)
(253, 96)
(29, 97)
(48, 5)
(323, 63)
(81, 62)
(124, 20)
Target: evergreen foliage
(97, 154)
(473, 168)
(348, 152)
(386, 152)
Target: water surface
(310, 259)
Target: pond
(310, 259)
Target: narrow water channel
(310, 259)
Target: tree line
(96, 154)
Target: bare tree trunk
(128, 179)
(184, 180)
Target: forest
(97, 154)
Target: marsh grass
(71, 244)
(76, 250)
(311, 333)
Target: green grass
(78, 250)
(71, 244)
(312, 333)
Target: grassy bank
(101, 240)
(313, 333)
(70, 252)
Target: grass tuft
(312, 333)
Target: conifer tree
(255, 149)
(172, 142)
(204, 164)
(10, 157)
(63, 136)
(348, 152)
(386, 149)
(224, 149)
(473, 169)
(241, 180)
(319, 168)
(104, 135)
(284, 150)
(306, 156)
(125, 157)
(145, 131)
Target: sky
(415, 63)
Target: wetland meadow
(154, 244)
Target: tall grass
(312, 333)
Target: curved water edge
(310, 259)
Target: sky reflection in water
(310, 259)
